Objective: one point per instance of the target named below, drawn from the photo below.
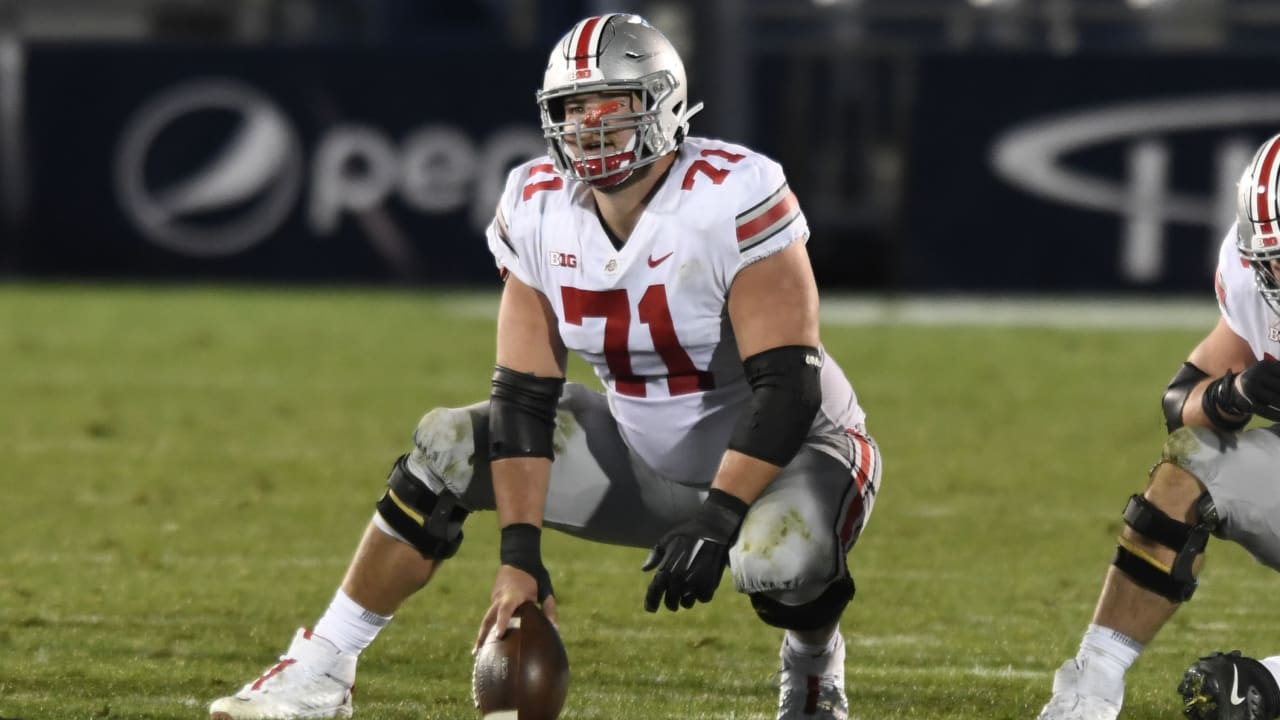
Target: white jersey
(1242, 305)
(651, 318)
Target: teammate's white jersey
(651, 318)
(1242, 305)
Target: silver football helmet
(1258, 226)
(614, 53)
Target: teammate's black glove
(1255, 392)
(691, 558)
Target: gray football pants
(793, 541)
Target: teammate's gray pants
(1241, 471)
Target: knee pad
(1176, 581)
(449, 442)
(785, 547)
(431, 523)
(817, 613)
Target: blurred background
(1066, 146)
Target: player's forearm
(743, 476)
(520, 489)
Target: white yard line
(897, 671)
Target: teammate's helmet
(1258, 229)
(615, 53)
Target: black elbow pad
(522, 414)
(1175, 396)
(786, 394)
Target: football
(524, 675)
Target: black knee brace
(1175, 582)
(817, 613)
(431, 523)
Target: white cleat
(1081, 695)
(812, 687)
(313, 680)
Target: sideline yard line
(1030, 312)
(1106, 313)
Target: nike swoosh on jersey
(1235, 685)
(655, 263)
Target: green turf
(186, 471)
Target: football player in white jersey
(1214, 477)
(725, 436)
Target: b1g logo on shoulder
(559, 259)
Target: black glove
(691, 558)
(1255, 391)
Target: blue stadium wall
(1018, 173)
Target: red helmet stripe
(586, 36)
(1266, 200)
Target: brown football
(524, 675)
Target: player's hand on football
(690, 559)
(1258, 387)
(512, 587)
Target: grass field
(185, 473)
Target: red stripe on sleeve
(780, 209)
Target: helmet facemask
(1259, 250)
(572, 142)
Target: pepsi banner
(1111, 173)
(308, 163)
(1023, 172)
